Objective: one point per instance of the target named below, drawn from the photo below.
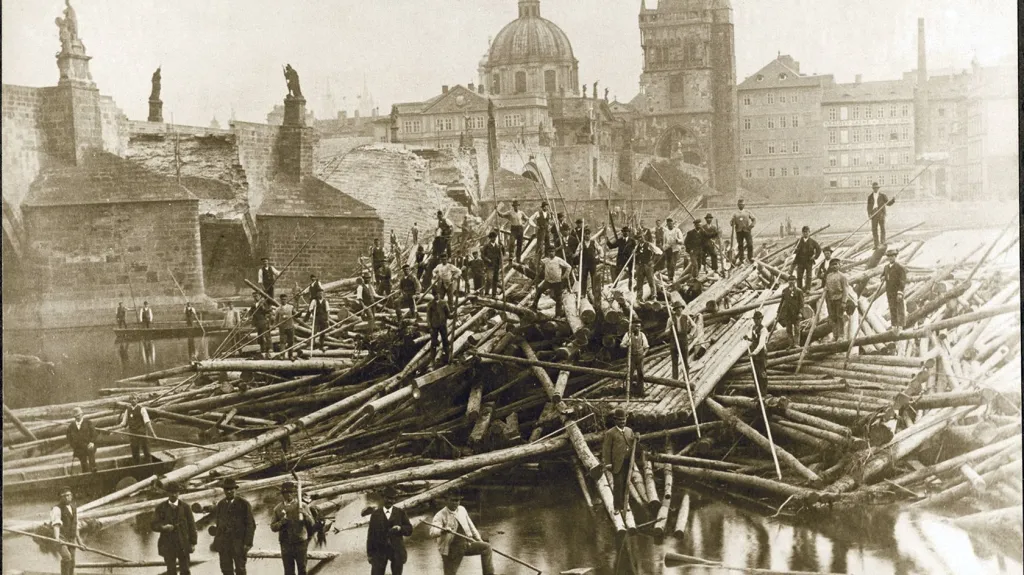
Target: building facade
(782, 156)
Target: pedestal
(74, 68)
(294, 111)
(156, 111)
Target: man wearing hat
(541, 220)
(616, 446)
(81, 436)
(758, 350)
(645, 255)
(554, 271)
(385, 542)
(451, 519)
(259, 313)
(625, 246)
(742, 223)
(173, 519)
(877, 204)
(314, 287)
(679, 323)
(711, 245)
(694, 244)
(293, 523)
(491, 254)
(284, 317)
(136, 419)
(673, 245)
(320, 310)
(378, 260)
(806, 253)
(589, 253)
(822, 270)
(895, 277)
(790, 309)
(636, 342)
(267, 276)
(517, 224)
(438, 313)
(232, 529)
(447, 276)
(366, 296)
(835, 294)
(64, 521)
(408, 287)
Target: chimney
(444, 89)
(356, 114)
(472, 87)
(857, 79)
(922, 60)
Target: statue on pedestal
(68, 26)
(292, 79)
(155, 93)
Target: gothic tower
(688, 108)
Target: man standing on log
(293, 524)
(437, 319)
(895, 277)
(121, 316)
(742, 223)
(320, 310)
(694, 244)
(492, 264)
(233, 529)
(517, 226)
(136, 420)
(625, 246)
(616, 447)
(366, 298)
(758, 350)
(835, 295)
(315, 287)
(807, 252)
(446, 277)
(477, 271)
(146, 315)
(64, 521)
(177, 527)
(451, 520)
(285, 320)
(877, 204)
(81, 436)
(682, 321)
(674, 241)
(377, 260)
(823, 268)
(791, 308)
(541, 221)
(636, 342)
(267, 276)
(421, 262)
(712, 240)
(554, 271)
(385, 542)
(408, 287)
(592, 257)
(259, 313)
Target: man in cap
(757, 348)
(806, 253)
(835, 296)
(895, 277)
(517, 225)
(81, 436)
(636, 342)
(645, 255)
(293, 523)
(385, 537)
(476, 270)
(491, 254)
(576, 237)
(378, 260)
(259, 314)
(191, 315)
(541, 220)
(136, 419)
(232, 529)
(877, 204)
(284, 317)
(320, 310)
(173, 519)
(266, 276)
(625, 245)
(438, 313)
(64, 521)
(742, 223)
(677, 328)
(408, 287)
(447, 525)
(616, 447)
(712, 240)
(314, 287)
(694, 244)
(146, 315)
(674, 241)
(823, 268)
(791, 309)
(591, 257)
(554, 271)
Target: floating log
(683, 517)
(17, 423)
(321, 365)
(482, 425)
(476, 394)
(662, 517)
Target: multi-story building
(780, 127)
(993, 151)
(869, 137)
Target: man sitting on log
(232, 529)
(81, 436)
(136, 420)
(492, 264)
(895, 277)
(554, 271)
(437, 319)
(458, 537)
(174, 521)
(293, 524)
(636, 342)
(791, 308)
(616, 447)
(758, 350)
(835, 296)
(408, 287)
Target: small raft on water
(168, 330)
(45, 479)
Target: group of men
(82, 435)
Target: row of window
(868, 112)
(855, 159)
(783, 172)
(772, 98)
(869, 134)
(772, 122)
(467, 123)
(519, 87)
(858, 181)
(771, 147)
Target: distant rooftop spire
(529, 8)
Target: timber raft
(925, 416)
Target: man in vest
(625, 246)
(385, 536)
(81, 437)
(408, 287)
(679, 323)
(173, 519)
(146, 315)
(674, 241)
(438, 313)
(233, 529)
(895, 277)
(645, 255)
(267, 276)
(823, 268)
(136, 420)
(492, 264)
(742, 223)
(320, 310)
(447, 525)
(757, 348)
(806, 253)
(541, 220)
(877, 204)
(712, 239)
(64, 521)
(616, 447)
(285, 320)
(835, 297)
(377, 259)
(446, 277)
(121, 316)
(591, 257)
(517, 227)
(259, 314)
(636, 342)
(293, 523)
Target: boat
(111, 471)
(168, 330)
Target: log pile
(855, 421)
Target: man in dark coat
(807, 252)
(895, 277)
(81, 436)
(694, 244)
(389, 525)
(293, 522)
(177, 527)
(625, 246)
(791, 309)
(233, 530)
(877, 203)
(616, 448)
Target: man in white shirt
(758, 339)
(517, 225)
(450, 522)
(636, 342)
(64, 521)
(447, 276)
(553, 272)
(136, 419)
(146, 315)
(266, 276)
(673, 243)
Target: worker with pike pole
(320, 311)
(458, 537)
(293, 522)
(894, 276)
(259, 315)
(267, 276)
(742, 223)
(711, 246)
(635, 341)
(64, 521)
(517, 227)
(625, 245)
(136, 419)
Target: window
(747, 101)
(893, 136)
(513, 120)
(867, 134)
(844, 182)
(942, 112)
(520, 82)
(880, 112)
(496, 84)
(782, 98)
(855, 181)
(796, 170)
(746, 123)
(676, 90)
(795, 121)
(832, 136)
(782, 147)
(748, 173)
(894, 158)
(479, 122)
(771, 98)
(905, 132)
(844, 160)
(832, 161)
(855, 160)
(782, 121)
(856, 136)
(881, 135)
(412, 126)
(796, 146)
(892, 110)
(844, 113)
(784, 172)
(832, 114)
(443, 124)
(905, 158)
(844, 136)
(892, 179)
(746, 149)
(833, 183)
(856, 112)
(771, 148)
(771, 172)
(905, 110)
(906, 179)
(881, 159)
(550, 81)
(868, 159)
(771, 122)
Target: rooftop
(881, 91)
(312, 198)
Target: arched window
(496, 84)
(550, 82)
(520, 82)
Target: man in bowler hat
(389, 525)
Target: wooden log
(683, 517)
(17, 423)
(587, 313)
(580, 332)
(654, 502)
(482, 425)
(273, 365)
(963, 489)
(994, 520)
(694, 461)
(560, 384)
(662, 518)
(741, 481)
(956, 462)
(476, 394)
(972, 477)
(782, 430)
(512, 428)
(581, 480)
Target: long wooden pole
(163, 439)
(68, 543)
(682, 359)
(17, 423)
(764, 414)
(470, 539)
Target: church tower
(688, 106)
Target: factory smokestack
(922, 59)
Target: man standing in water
(64, 520)
(174, 521)
(450, 522)
(234, 529)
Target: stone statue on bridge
(155, 93)
(68, 26)
(292, 79)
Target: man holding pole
(895, 277)
(712, 238)
(233, 529)
(694, 244)
(673, 245)
(742, 223)
(806, 253)
(259, 314)
(81, 436)
(835, 295)
(616, 447)
(121, 316)
(267, 276)
(136, 419)
(451, 522)
(174, 521)
(679, 322)
(293, 523)
(320, 310)
(64, 520)
(517, 226)
(554, 270)
(285, 319)
(636, 342)
(590, 254)
(877, 204)
(491, 254)
(790, 309)
(758, 351)
(408, 287)
(437, 320)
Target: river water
(541, 519)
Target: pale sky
(224, 55)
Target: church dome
(530, 39)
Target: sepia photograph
(511, 287)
